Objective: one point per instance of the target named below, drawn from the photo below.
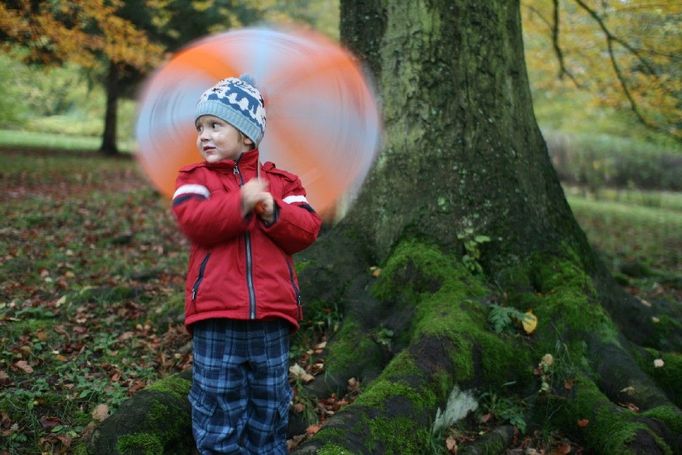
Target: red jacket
(241, 268)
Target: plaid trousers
(240, 391)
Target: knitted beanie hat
(238, 102)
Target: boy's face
(218, 140)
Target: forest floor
(91, 277)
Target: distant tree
(117, 42)
(627, 53)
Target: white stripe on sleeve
(292, 199)
(192, 189)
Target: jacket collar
(246, 161)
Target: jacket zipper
(200, 277)
(249, 259)
(297, 291)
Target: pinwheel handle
(259, 208)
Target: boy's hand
(255, 196)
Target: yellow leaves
(80, 31)
(645, 39)
(530, 322)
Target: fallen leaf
(65, 440)
(24, 366)
(530, 322)
(100, 412)
(582, 423)
(136, 386)
(4, 378)
(562, 449)
(299, 408)
(126, 336)
(376, 271)
(300, 373)
(486, 417)
(655, 320)
(631, 406)
(658, 363)
(629, 390)
(312, 429)
(49, 422)
(568, 384)
(451, 444)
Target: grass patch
(627, 232)
(90, 257)
(57, 141)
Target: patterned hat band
(238, 102)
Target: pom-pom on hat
(238, 102)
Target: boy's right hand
(253, 192)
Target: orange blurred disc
(323, 122)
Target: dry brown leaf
(312, 429)
(451, 444)
(299, 408)
(49, 422)
(24, 366)
(300, 373)
(582, 423)
(100, 412)
(562, 449)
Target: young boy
(244, 221)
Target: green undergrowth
(91, 262)
(632, 233)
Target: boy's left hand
(255, 196)
(265, 208)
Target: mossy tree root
(606, 428)
(495, 441)
(155, 421)
(449, 343)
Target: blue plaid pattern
(240, 391)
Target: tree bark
(109, 146)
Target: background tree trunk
(108, 146)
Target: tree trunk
(463, 210)
(108, 146)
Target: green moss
(382, 390)
(565, 300)
(609, 428)
(416, 269)
(398, 435)
(80, 449)
(333, 449)
(349, 348)
(139, 443)
(668, 376)
(158, 413)
(670, 415)
(173, 385)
